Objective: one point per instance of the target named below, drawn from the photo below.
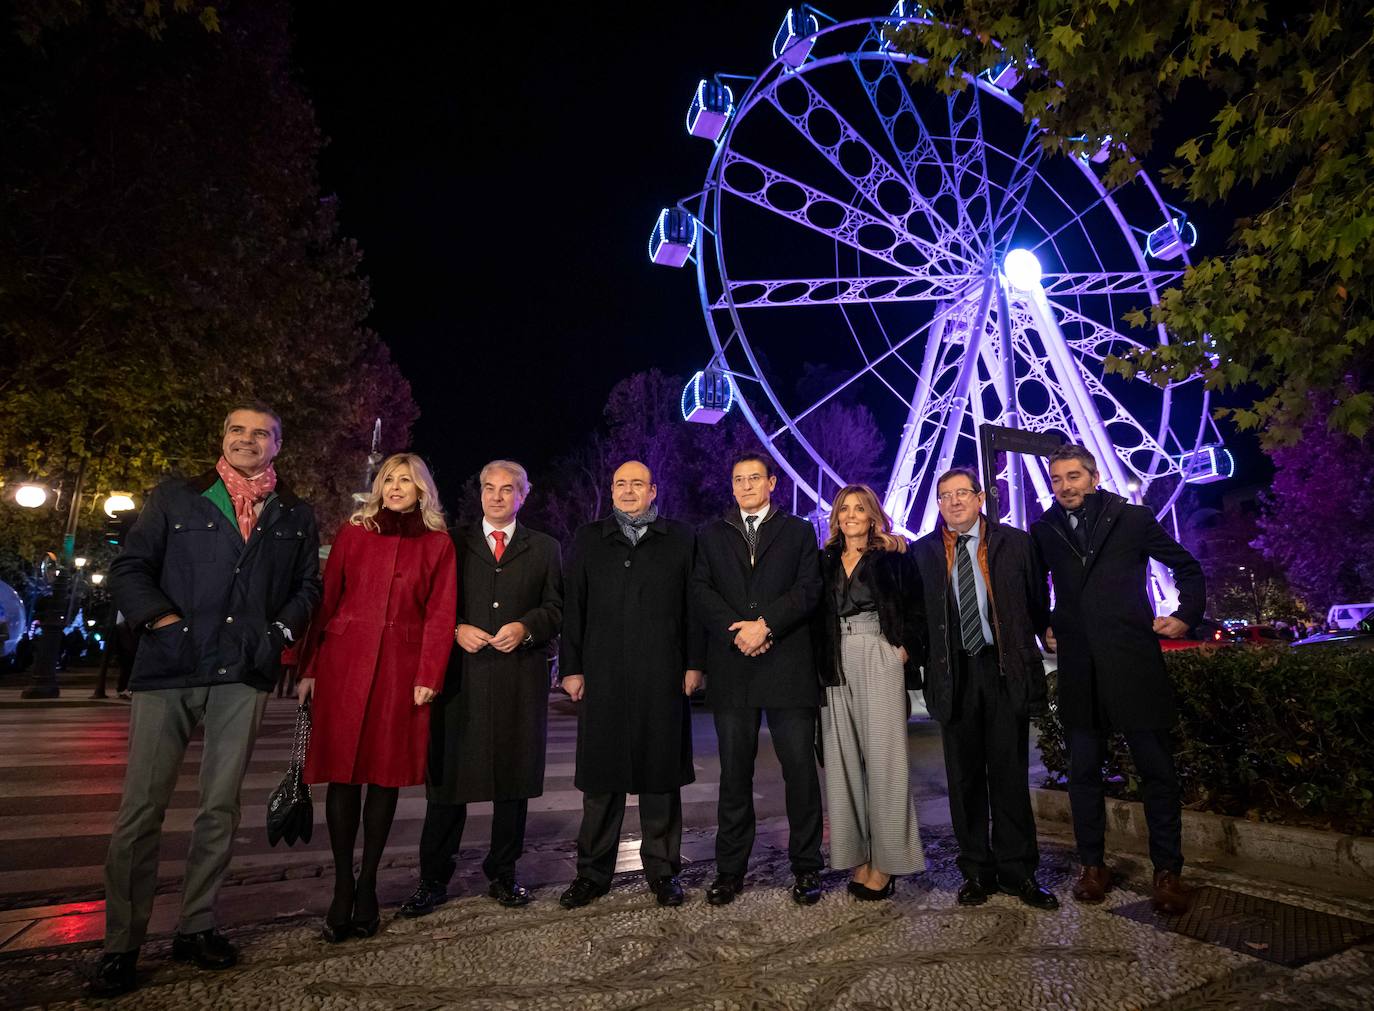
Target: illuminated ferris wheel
(862, 241)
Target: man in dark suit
(631, 660)
(984, 596)
(221, 572)
(488, 728)
(1111, 674)
(757, 581)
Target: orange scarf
(951, 540)
(246, 492)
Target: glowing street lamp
(97, 578)
(118, 502)
(1022, 270)
(31, 496)
(79, 562)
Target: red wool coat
(385, 626)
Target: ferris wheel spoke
(1080, 215)
(920, 160)
(820, 212)
(969, 166)
(778, 293)
(853, 157)
(1107, 282)
(1013, 202)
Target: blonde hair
(429, 505)
(880, 535)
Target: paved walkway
(60, 767)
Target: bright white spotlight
(30, 496)
(118, 502)
(1022, 270)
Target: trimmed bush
(1266, 733)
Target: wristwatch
(285, 632)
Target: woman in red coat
(374, 659)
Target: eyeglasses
(750, 479)
(957, 495)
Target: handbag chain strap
(298, 747)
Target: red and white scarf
(246, 492)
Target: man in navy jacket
(757, 581)
(220, 572)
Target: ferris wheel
(863, 242)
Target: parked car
(1206, 632)
(1362, 635)
(1260, 635)
(1348, 616)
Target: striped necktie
(970, 623)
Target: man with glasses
(757, 581)
(984, 598)
(1111, 670)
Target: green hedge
(1268, 733)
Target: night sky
(502, 176)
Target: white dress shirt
(487, 528)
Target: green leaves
(1287, 299)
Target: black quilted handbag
(290, 813)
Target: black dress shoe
(208, 949)
(807, 890)
(509, 892)
(972, 893)
(422, 901)
(116, 973)
(582, 891)
(1030, 893)
(667, 889)
(367, 913)
(724, 889)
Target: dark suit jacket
(488, 727)
(783, 587)
(1018, 606)
(1111, 669)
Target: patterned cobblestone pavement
(919, 951)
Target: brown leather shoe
(1172, 896)
(1093, 884)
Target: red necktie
(499, 536)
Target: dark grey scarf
(633, 526)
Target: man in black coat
(221, 572)
(488, 731)
(984, 597)
(1111, 674)
(757, 581)
(631, 660)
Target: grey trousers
(160, 726)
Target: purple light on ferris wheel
(793, 41)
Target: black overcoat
(783, 586)
(488, 731)
(896, 585)
(185, 556)
(1019, 606)
(1103, 620)
(628, 630)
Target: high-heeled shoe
(366, 925)
(865, 894)
(338, 922)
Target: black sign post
(994, 439)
